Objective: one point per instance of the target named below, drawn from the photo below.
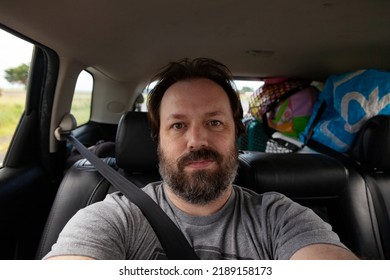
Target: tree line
(17, 75)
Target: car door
(30, 174)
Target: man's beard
(199, 186)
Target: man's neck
(196, 209)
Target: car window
(82, 98)
(246, 89)
(15, 59)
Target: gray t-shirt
(249, 226)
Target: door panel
(30, 174)
(25, 199)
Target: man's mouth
(199, 164)
(200, 159)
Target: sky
(13, 52)
(251, 84)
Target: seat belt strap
(172, 240)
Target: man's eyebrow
(175, 116)
(215, 113)
(179, 116)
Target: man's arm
(323, 252)
(70, 257)
(311, 252)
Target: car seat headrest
(371, 147)
(293, 174)
(135, 149)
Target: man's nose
(197, 137)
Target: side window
(141, 106)
(15, 59)
(82, 98)
(245, 89)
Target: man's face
(197, 147)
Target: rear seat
(338, 194)
(372, 151)
(335, 191)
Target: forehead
(195, 95)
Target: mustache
(201, 154)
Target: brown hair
(188, 69)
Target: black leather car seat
(372, 151)
(82, 185)
(334, 190)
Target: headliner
(129, 40)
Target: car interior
(44, 182)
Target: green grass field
(12, 104)
(81, 107)
(11, 108)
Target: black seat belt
(174, 243)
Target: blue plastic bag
(351, 99)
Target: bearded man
(195, 116)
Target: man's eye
(215, 123)
(177, 126)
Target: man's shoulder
(153, 187)
(251, 194)
(117, 206)
(154, 190)
(116, 202)
(263, 200)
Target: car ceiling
(129, 40)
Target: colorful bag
(285, 104)
(351, 99)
